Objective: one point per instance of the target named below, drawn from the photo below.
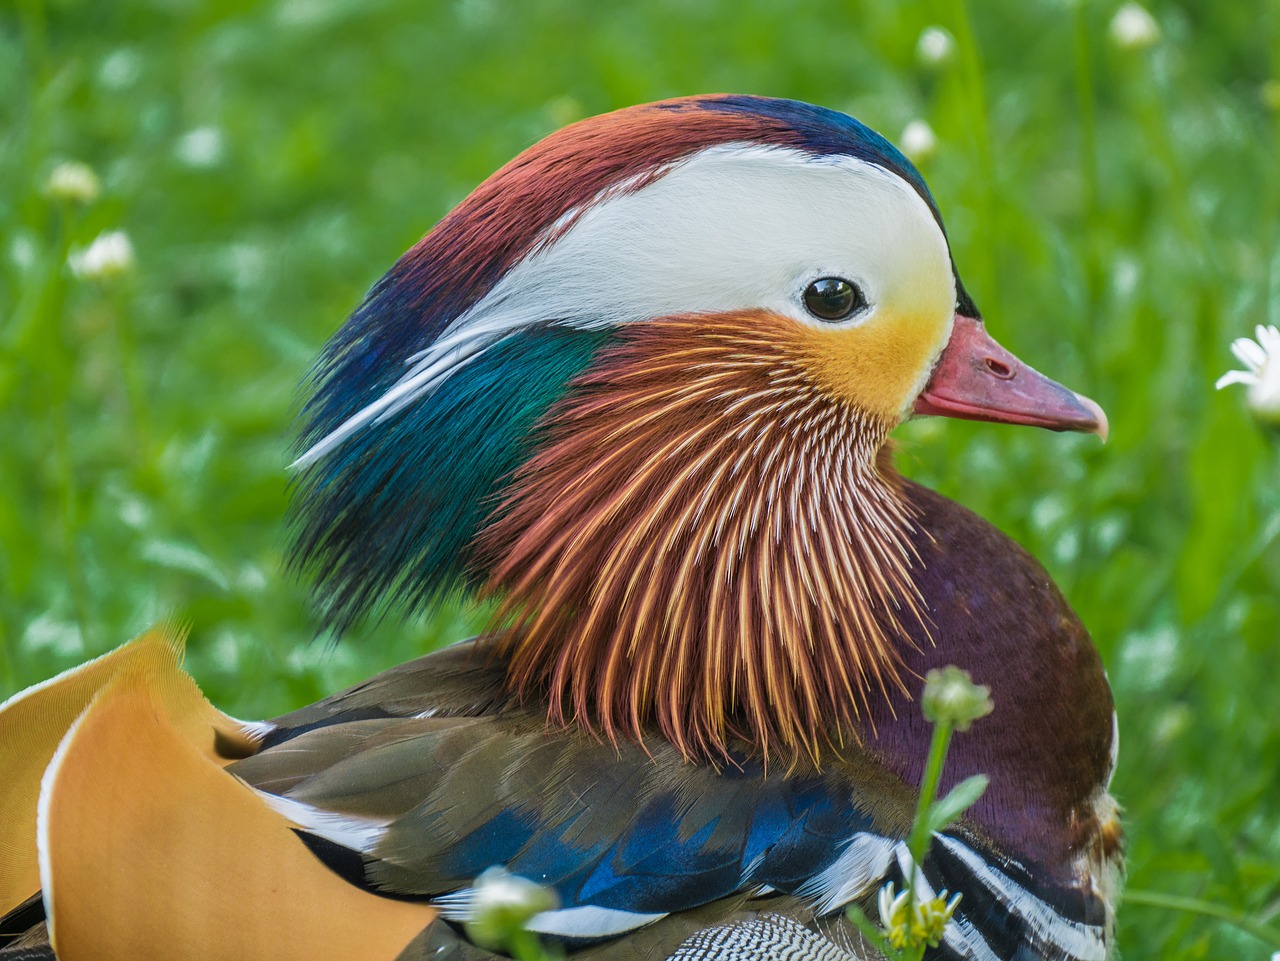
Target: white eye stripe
(734, 227)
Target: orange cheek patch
(878, 367)
(678, 552)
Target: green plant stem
(1173, 902)
(68, 498)
(1152, 113)
(1088, 139)
(134, 392)
(1086, 333)
(918, 842)
(525, 946)
(49, 321)
(867, 928)
(976, 93)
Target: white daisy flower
(201, 148)
(910, 923)
(74, 182)
(918, 141)
(1261, 357)
(1133, 28)
(935, 47)
(109, 256)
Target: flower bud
(950, 695)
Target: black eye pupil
(833, 298)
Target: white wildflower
(49, 632)
(909, 923)
(1133, 28)
(503, 904)
(1261, 357)
(932, 917)
(120, 69)
(23, 250)
(936, 47)
(109, 256)
(200, 148)
(73, 182)
(893, 914)
(918, 141)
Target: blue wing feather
(623, 835)
(673, 851)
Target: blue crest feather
(389, 514)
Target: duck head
(638, 386)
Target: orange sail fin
(148, 849)
(33, 723)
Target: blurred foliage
(1114, 210)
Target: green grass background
(1114, 212)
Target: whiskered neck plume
(707, 541)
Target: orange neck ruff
(707, 541)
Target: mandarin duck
(636, 389)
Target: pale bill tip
(1103, 426)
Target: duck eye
(833, 298)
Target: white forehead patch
(733, 227)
